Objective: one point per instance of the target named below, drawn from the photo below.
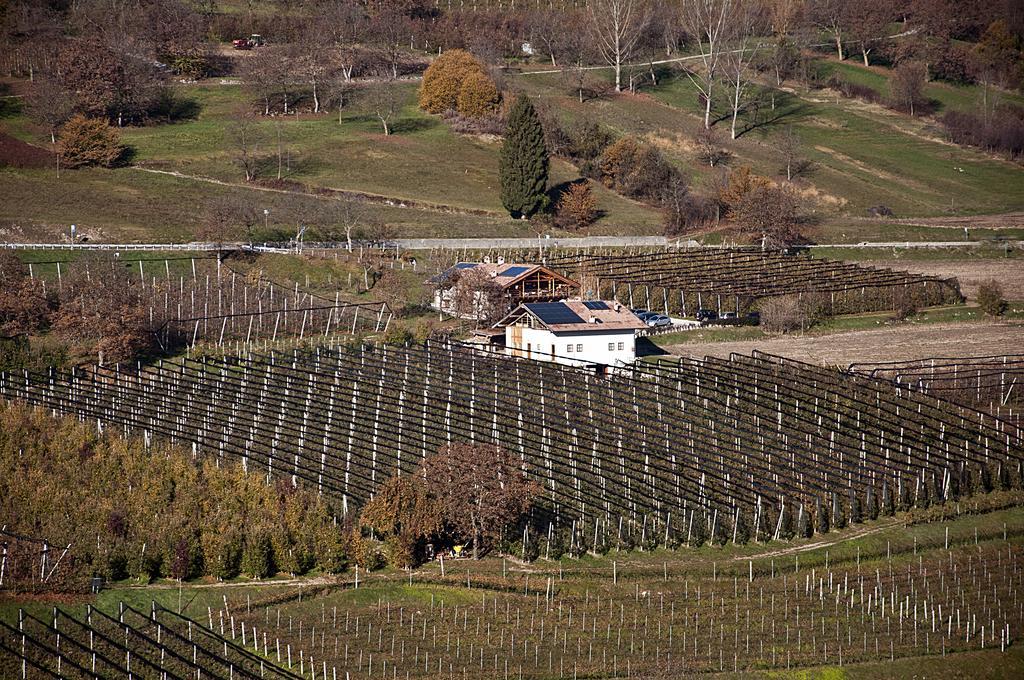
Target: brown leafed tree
(402, 506)
(102, 312)
(89, 141)
(23, 307)
(770, 212)
(480, 488)
(577, 206)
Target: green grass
(862, 157)
(130, 205)
(422, 161)
(944, 96)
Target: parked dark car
(707, 315)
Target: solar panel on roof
(465, 265)
(554, 313)
(595, 304)
(515, 271)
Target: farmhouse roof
(505, 274)
(577, 316)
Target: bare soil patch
(897, 343)
(971, 274)
(18, 154)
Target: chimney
(501, 259)
(618, 306)
(592, 319)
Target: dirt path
(1010, 220)
(846, 536)
(903, 342)
(329, 192)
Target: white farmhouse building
(572, 332)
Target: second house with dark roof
(486, 291)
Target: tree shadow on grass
(407, 125)
(9, 105)
(788, 110)
(170, 107)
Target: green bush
(257, 556)
(990, 298)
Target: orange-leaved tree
(443, 80)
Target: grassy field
(422, 162)
(862, 155)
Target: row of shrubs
(1001, 131)
(129, 510)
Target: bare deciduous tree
(708, 23)
(790, 148)
(828, 15)
(708, 148)
(50, 103)
(382, 100)
(617, 27)
(476, 296)
(907, 87)
(245, 137)
(740, 53)
(866, 21)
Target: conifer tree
(524, 161)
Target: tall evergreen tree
(524, 161)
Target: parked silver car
(656, 320)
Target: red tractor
(254, 40)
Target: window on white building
(568, 348)
(579, 348)
(611, 346)
(622, 346)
